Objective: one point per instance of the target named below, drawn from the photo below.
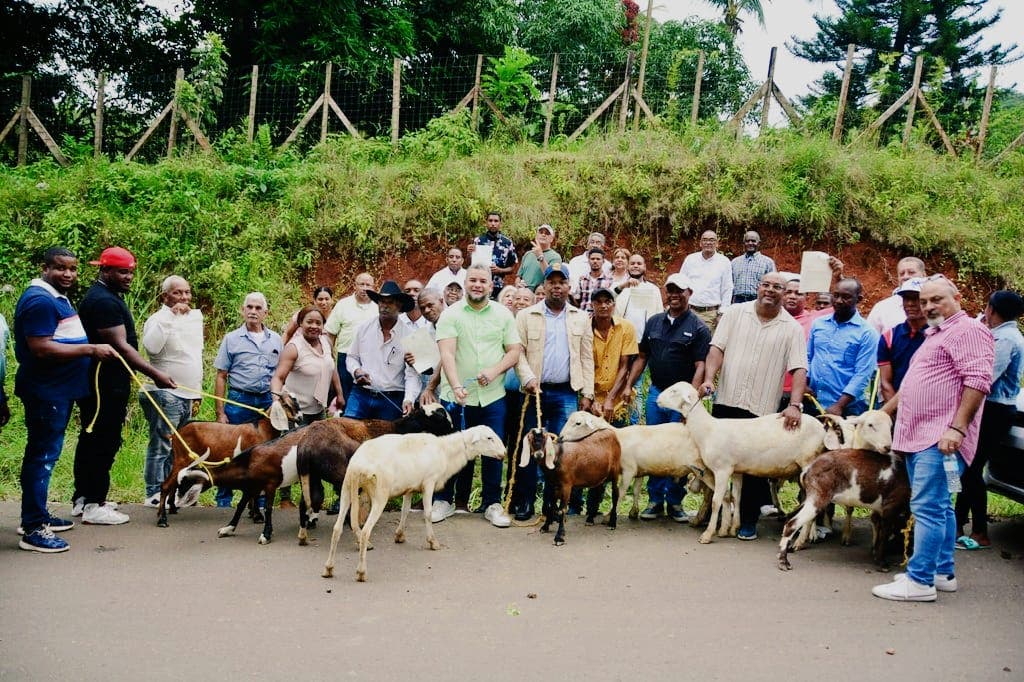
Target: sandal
(969, 543)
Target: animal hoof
(559, 542)
(328, 572)
(258, 517)
(433, 544)
(226, 531)
(611, 526)
(311, 524)
(161, 523)
(172, 510)
(784, 565)
(360, 577)
(263, 539)
(303, 542)
(399, 539)
(704, 540)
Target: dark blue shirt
(42, 312)
(896, 347)
(503, 254)
(674, 347)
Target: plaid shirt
(586, 286)
(503, 255)
(747, 272)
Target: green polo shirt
(482, 336)
(530, 269)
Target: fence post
(551, 100)
(97, 145)
(643, 67)
(915, 89)
(26, 95)
(326, 109)
(253, 83)
(476, 88)
(985, 113)
(844, 92)
(624, 107)
(768, 90)
(695, 107)
(172, 136)
(396, 94)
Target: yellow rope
(874, 388)
(821, 410)
(515, 456)
(906, 540)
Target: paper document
(815, 274)
(482, 254)
(424, 348)
(645, 298)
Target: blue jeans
(458, 487)
(662, 489)
(347, 382)
(934, 518)
(240, 415)
(556, 404)
(46, 421)
(365, 404)
(158, 452)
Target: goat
(324, 453)
(760, 446)
(855, 478)
(401, 465)
(588, 463)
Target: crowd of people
(574, 335)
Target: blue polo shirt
(249, 359)
(895, 348)
(42, 312)
(841, 359)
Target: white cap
(679, 280)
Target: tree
(732, 9)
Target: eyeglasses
(773, 287)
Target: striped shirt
(42, 311)
(586, 286)
(747, 271)
(957, 354)
(758, 355)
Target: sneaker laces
(45, 533)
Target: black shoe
(524, 514)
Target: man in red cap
(107, 319)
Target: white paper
(482, 254)
(424, 348)
(648, 299)
(815, 273)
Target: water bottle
(949, 464)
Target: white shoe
(152, 501)
(76, 508)
(103, 515)
(441, 510)
(904, 589)
(943, 583)
(497, 516)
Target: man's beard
(935, 321)
(476, 299)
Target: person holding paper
(638, 299)
(503, 252)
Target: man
(503, 251)
(556, 368)
(478, 342)
(897, 345)
(347, 315)
(842, 351)
(580, 265)
(451, 272)
(538, 259)
(823, 300)
(414, 318)
(173, 339)
(1001, 313)
(453, 293)
(384, 385)
(674, 346)
(637, 299)
(711, 275)
(748, 269)
(937, 426)
(245, 364)
(5, 408)
(755, 345)
(593, 280)
(53, 356)
(888, 312)
(107, 319)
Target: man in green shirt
(478, 341)
(538, 259)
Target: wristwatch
(799, 406)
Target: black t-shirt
(674, 348)
(102, 308)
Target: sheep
(656, 450)
(855, 478)
(760, 446)
(590, 462)
(869, 431)
(401, 465)
(324, 453)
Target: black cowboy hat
(391, 289)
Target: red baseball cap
(115, 257)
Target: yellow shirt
(608, 351)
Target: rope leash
(906, 540)
(821, 410)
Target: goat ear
(549, 455)
(833, 437)
(477, 436)
(524, 452)
(278, 417)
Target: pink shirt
(957, 354)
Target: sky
(787, 18)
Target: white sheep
(760, 447)
(393, 465)
(869, 431)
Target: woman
(506, 295)
(307, 370)
(323, 298)
(620, 266)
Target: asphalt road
(643, 602)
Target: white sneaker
(152, 501)
(78, 506)
(103, 515)
(904, 589)
(441, 510)
(497, 516)
(943, 583)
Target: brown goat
(590, 463)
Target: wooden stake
(786, 105)
(915, 91)
(396, 94)
(936, 124)
(695, 107)
(552, 93)
(150, 130)
(887, 114)
(45, 136)
(250, 132)
(639, 89)
(465, 101)
(172, 136)
(643, 105)
(844, 92)
(985, 113)
(26, 95)
(97, 144)
(326, 98)
(769, 84)
(344, 119)
(10, 124)
(737, 118)
(307, 117)
(194, 127)
(476, 88)
(624, 107)
(597, 112)
(1018, 141)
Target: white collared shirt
(383, 360)
(711, 278)
(174, 344)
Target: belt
(253, 394)
(373, 391)
(703, 308)
(565, 385)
